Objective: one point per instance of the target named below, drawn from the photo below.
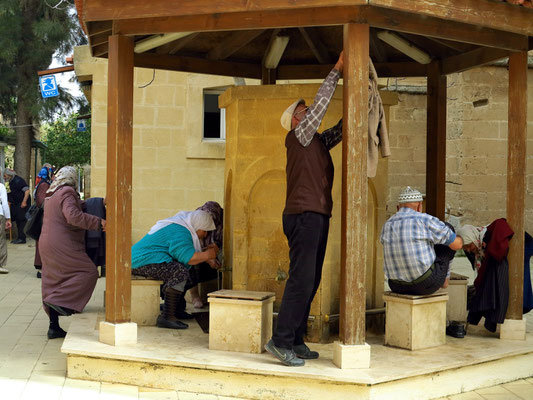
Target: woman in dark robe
(45, 180)
(68, 274)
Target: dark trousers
(19, 217)
(307, 234)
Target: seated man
(418, 248)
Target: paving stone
(522, 388)
(112, 391)
(157, 394)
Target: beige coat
(378, 136)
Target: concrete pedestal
(240, 320)
(513, 329)
(351, 356)
(415, 322)
(457, 292)
(118, 334)
(145, 300)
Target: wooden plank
(436, 142)
(57, 70)
(315, 44)
(197, 65)
(97, 27)
(441, 29)
(100, 38)
(119, 179)
(176, 45)
(516, 178)
(497, 15)
(471, 59)
(97, 10)
(100, 50)
(234, 43)
(384, 70)
(354, 185)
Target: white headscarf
(65, 176)
(192, 220)
(472, 234)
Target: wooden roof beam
(232, 44)
(474, 58)
(197, 65)
(97, 10)
(275, 49)
(100, 50)
(384, 70)
(490, 14)
(176, 45)
(315, 44)
(403, 45)
(97, 27)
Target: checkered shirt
(408, 239)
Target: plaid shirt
(408, 239)
(308, 126)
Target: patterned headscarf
(474, 234)
(66, 176)
(217, 213)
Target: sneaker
(302, 351)
(286, 356)
(4, 270)
(166, 323)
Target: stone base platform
(180, 359)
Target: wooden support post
(119, 174)
(354, 185)
(436, 142)
(268, 76)
(516, 178)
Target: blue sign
(82, 125)
(48, 86)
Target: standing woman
(68, 274)
(45, 180)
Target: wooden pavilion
(284, 39)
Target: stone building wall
(476, 145)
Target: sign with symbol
(82, 125)
(48, 86)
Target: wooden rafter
(197, 65)
(315, 44)
(100, 38)
(97, 27)
(176, 45)
(472, 59)
(100, 50)
(235, 42)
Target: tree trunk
(24, 133)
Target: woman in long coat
(68, 274)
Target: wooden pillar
(516, 178)
(436, 142)
(119, 174)
(268, 76)
(354, 184)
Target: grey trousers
(3, 241)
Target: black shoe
(286, 356)
(65, 312)
(456, 330)
(165, 323)
(54, 333)
(39, 274)
(182, 314)
(18, 241)
(302, 351)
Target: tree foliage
(31, 32)
(65, 145)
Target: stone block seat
(415, 322)
(145, 300)
(240, 320)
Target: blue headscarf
(45, 174)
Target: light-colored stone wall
(173, 168)
(476, 145)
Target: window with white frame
(214, 117)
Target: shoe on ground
(456, 330)
(4, 270)
(302, 351)
(286, 356)
(56, 333)
(18, 241)
(182, 314)
(39, 274)
(165, 323)
(65, 312)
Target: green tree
(31, 32)
(65, 145)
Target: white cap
(409, 195)
(286, 117)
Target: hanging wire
(58, 5)
(149, 83)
